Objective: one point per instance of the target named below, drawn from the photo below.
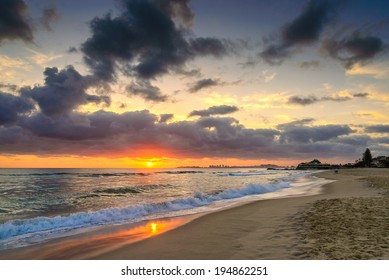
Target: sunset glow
(266, 82)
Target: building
(314, 164)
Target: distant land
(237, 166)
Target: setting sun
(149, 164)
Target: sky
(167, 83)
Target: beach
(348, 220)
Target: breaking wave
(45, 225)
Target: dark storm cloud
(307, 134)
(111, 134)
(63, 91)
(355, 140)
(210, 46)
(10, 135)
(203, 83)
(353, 49)
(14, 24)
(146, 90)
(308, 26)
(381, 128)
(98, 125)
(145, 41)
(215, 110)
(177, 9)
(13, 107)
(305, 29)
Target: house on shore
(380, 162)
(314, 164)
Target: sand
(349, 220)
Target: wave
(46, 225)
(3, 211)
(181, 172)
(37, 174)
(78, 174)
(240, 173)
(132, 190)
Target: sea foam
(47, 225)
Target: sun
(149, 164)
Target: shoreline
(84, 244)
(267, 229)
(264, 229)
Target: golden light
(153, 228)
(149, 164)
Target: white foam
(44, 227)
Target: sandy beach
(349, 220)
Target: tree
(367, 158)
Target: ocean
(37, 205)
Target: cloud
(114, 135)
(306, 134)
(215, 110)
(354, 49)
(9, 87)
(336, 98)
(308, 26)
(49, 15)
(361, 94)
(382, 140)
(63, 91)
(163, 118)
(377, 71)
(145, 41)
(308, 100)
(355, 140)
(13, 107)
(146, 90)
(204, 83)
(13, 21)
(310, 64)
(383, 128)
(303, 100)
(98, 125)
(72, 50)
(275, 54)
(295, 123)
(305, 29)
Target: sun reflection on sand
(91, 244)
(153, 227)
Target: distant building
(381, 161)
(314, 164)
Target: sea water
(39, 204)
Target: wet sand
(348, 220)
